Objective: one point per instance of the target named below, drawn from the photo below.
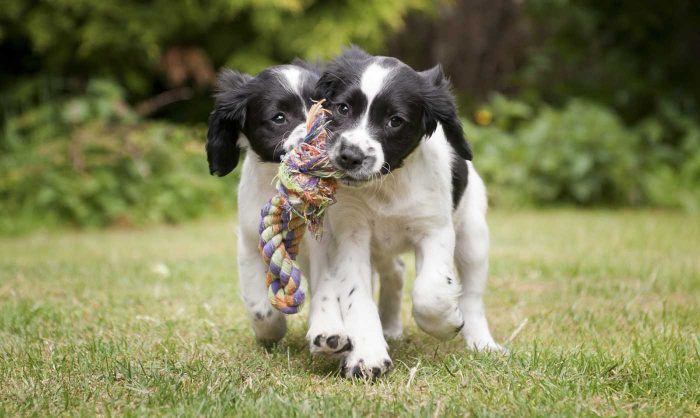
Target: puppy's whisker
(278, 146)
(388, 171)
(376, 184)
(380, 179)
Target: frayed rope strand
(306, 183)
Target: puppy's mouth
(361, 174)
(354, 182)
(354, 178)
(358, 180)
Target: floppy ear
(226, 122)
(325, 86)
(440, 107)
(336, 73)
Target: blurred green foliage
(632, 56)
(584, 154)
(89, 161)
(128, 41)
(605, 109)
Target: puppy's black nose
(350, 157)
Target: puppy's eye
(279, 118)
(343, 108)
(395, 122)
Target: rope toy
(306, 183)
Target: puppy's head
(382, 109)
(265, 113)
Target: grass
(607, 305)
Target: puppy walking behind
(266, 115)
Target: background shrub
(89, 161)
(671, 159)
(50, 47)
(584, 154)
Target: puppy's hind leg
(269, 324)
(472, 260)
(392, 272)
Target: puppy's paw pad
(366, 370)
(332, 344)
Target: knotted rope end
(306, 185)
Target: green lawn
(607, 305)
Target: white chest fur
(400, 207)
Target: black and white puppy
(266, 115)
(408, 184)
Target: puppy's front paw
(394, 331)
(436, 307)
(477, 335)
(364, 369)
(441, 319)
(331, 344)
(366, 363)
(485, 345)
(269, 326)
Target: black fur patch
(460, 179)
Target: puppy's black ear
(440, 107)
(340, 71)
(325, 86)
(226, 122)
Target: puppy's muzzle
(353, 160)
(350, 157)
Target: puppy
(408, 185)
(265, 115)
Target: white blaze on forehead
(372, 81)
(371, 84)
(292, 75)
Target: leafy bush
(149, 47)
(614, 52)
(672, 161)
(89, 161)
(584, 154)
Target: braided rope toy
(306, 183)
